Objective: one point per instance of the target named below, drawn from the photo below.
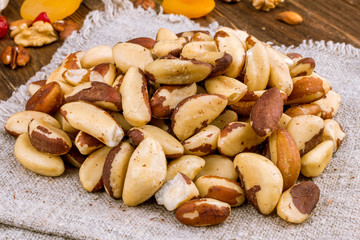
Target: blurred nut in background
(39, 34)
(15, 56)
(265, 5)
(289, 17)
(65, 28)
(145, 4)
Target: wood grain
(336, 20)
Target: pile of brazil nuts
(182, 118)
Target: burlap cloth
(37, 207)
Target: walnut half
(265, 5)
(39, 34)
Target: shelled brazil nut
(202, 122)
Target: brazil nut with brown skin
(264, 188)
(202, 143)
(266, 112)
(226, 117)
(203, 212)
(90, 172)
(307, 131)
(308, 89)
(146, 172)
(284, 153)
(115, 168)
(196, 112)
(167, 97)
(171, 146)
(47, 99)
(227, 41)
(94, 121)
(86, 144)
(175, 71)
(103, 72)
(47, 138)
(238, 137)
(98, 93)
(297, 203)
(222, 189)
(135, 98)
(18, 123)
(127, 55)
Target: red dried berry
(4, 26)
(42, 17)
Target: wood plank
(337, 20)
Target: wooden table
(336, 20)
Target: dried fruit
(30, 9)
(4, 26)
(189, 8)
(42, 17)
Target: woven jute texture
(37, 207)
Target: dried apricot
(55, 9)
(189, 8)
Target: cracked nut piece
(190, 165)
(203, 212)
(289, 17)
(297, 203)
(39, 34)
(86, 144)
(265, 5)
(35, 161)
(222, 189)
(334, 132)
(264, 188)
(176, 192)
(16, 56)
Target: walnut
(39, 34)
(265, 5)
